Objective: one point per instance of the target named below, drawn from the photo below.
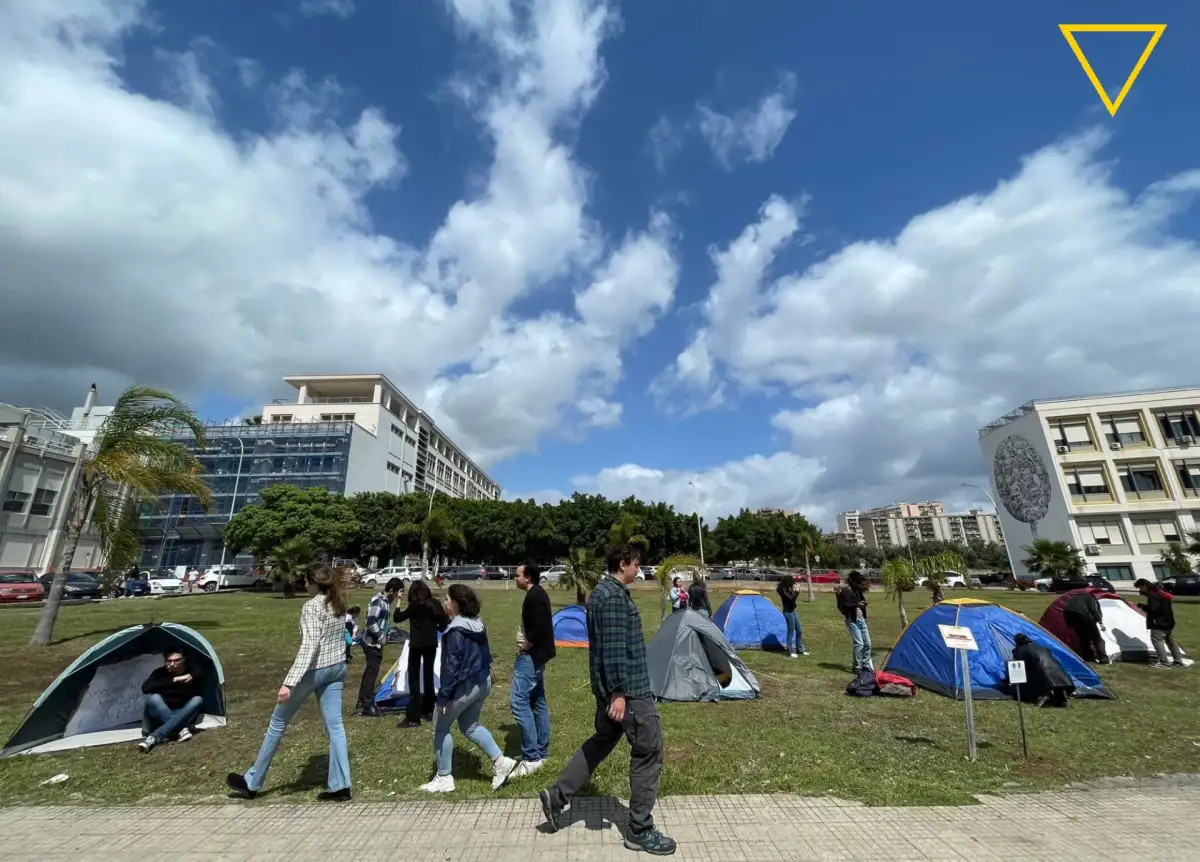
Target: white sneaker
(184, 735)
(1187, 662)
(793, 655)
(524, 768)
(502, 769)
(440, 784)
(147, 744)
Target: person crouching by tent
(1047, 684)
(425, 619)
(852, 602)
(678, 596)
(1083, 616)
(320, 669)
(697, 595)
(795, 632)
(466, 681)
(1160, 620)
(173, 701)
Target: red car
(20, 587)
(829, 577)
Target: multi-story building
(901, 524)
(849, 528)
(1117, 476)
(38, 463)
(348, 433)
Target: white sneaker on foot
(440, 784)
(793, 655)
(184, 735)
(1187, 662)
(502, 768)
(147, 744)
(524, 768)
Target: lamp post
(425, 545)
(232, 503)
(699, 531)
(1007, 551)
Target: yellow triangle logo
(1069, 31)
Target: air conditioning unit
(1114, 446)
(1092, 550)
(1063, 450)
(1186, 440)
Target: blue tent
(392, 693)
(570, 627)
(749, 620)
(921, 655)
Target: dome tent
(98, 699)
(570, 627)
(1125, 635)
(921, 655)
(749, 620)
(690, 660)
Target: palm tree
(1193, 543)
(126, 462)
(583, 571)
(1176, 559)
(933, 570)
(899, 576)
(667, 571)
(288, 559)
(626, 531)
(807, 545)
(1053, 559)
(436, 534)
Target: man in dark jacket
(1047, 684)
(1160, 620)
(1084, 618)
(535, 647)
(852, 602)
(173, 701)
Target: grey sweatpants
(644, 731)
(1165, 646)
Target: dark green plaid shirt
(617, 652)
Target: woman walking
(320, 669)
(425, 619)
(852, 602)
(465, 684)
(795, 632)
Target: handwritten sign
(958, 637)
(114, 697)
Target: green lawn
(804, 735)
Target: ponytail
(332, 585)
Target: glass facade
(238, 462)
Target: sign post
(1016, 676)
(962, 640)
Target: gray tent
(690, 660)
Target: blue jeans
(160, 721)
(861, 636)
(795, 632)
(326, 684)
(530, 709)
(464, 709)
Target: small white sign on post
(1016, 673)
(1017, 677)
(958, 637)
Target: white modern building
(901, 524)
(1117, 476)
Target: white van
(409, 573)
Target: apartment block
(849, 528)
(1117, 476)
(898, 525)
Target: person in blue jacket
(466, 681)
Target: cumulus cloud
(893, 352)
(749, 134)
(145, 241)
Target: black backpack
(863, 685)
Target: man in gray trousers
(624, 707)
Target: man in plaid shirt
(624, 706)
(374, 638)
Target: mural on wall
(1022, 481)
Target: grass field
(803, 736)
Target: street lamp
(699, 532)
(1007, 551)
(233, 502)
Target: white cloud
(749, 134)
(144, 241)
(317, 8)
(664, 140)
(896, 351)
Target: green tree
(627, 530)
(328, 521)
(899, 576)
(1176, 559)
(436, 534)
(288, 559)
(583, 570)
(129, 460)
(1053, 559)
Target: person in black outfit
(1083, 617)
(698, 598)
(1047, 684)
(1160, 620)
(535, 647)
(425, 618)
(173, 701)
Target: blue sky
(888, 117)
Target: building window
(392, 468)
(1087, 483)
(1074, 435)
(43, 501)
(1115, 573)
(1125, 430)
(1106, 532)
(1179, 427)
(397, 431)
(15, 501)
(1155, 531)
(282, 417)
(1161, 571)
(1142, 481)
(1189, 477)
(337, 417)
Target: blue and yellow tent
(921, 655)
(570, 627)
(749, 620)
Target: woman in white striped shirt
(320, 669)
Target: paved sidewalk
(1143, 823)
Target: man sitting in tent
(173, 702)
(1083, 616)
(1047, 684)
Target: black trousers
(370, 677)
(1087, 632)
(420, 681)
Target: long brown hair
(332, 585)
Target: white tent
(1126, 637)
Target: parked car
(826, 577)
(952, 579)
(554, 574)
(1182, 585)
(382, 576)
(1062, 585)
(20, 588)
(164, 584)
(78, 586)
(226, 577)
